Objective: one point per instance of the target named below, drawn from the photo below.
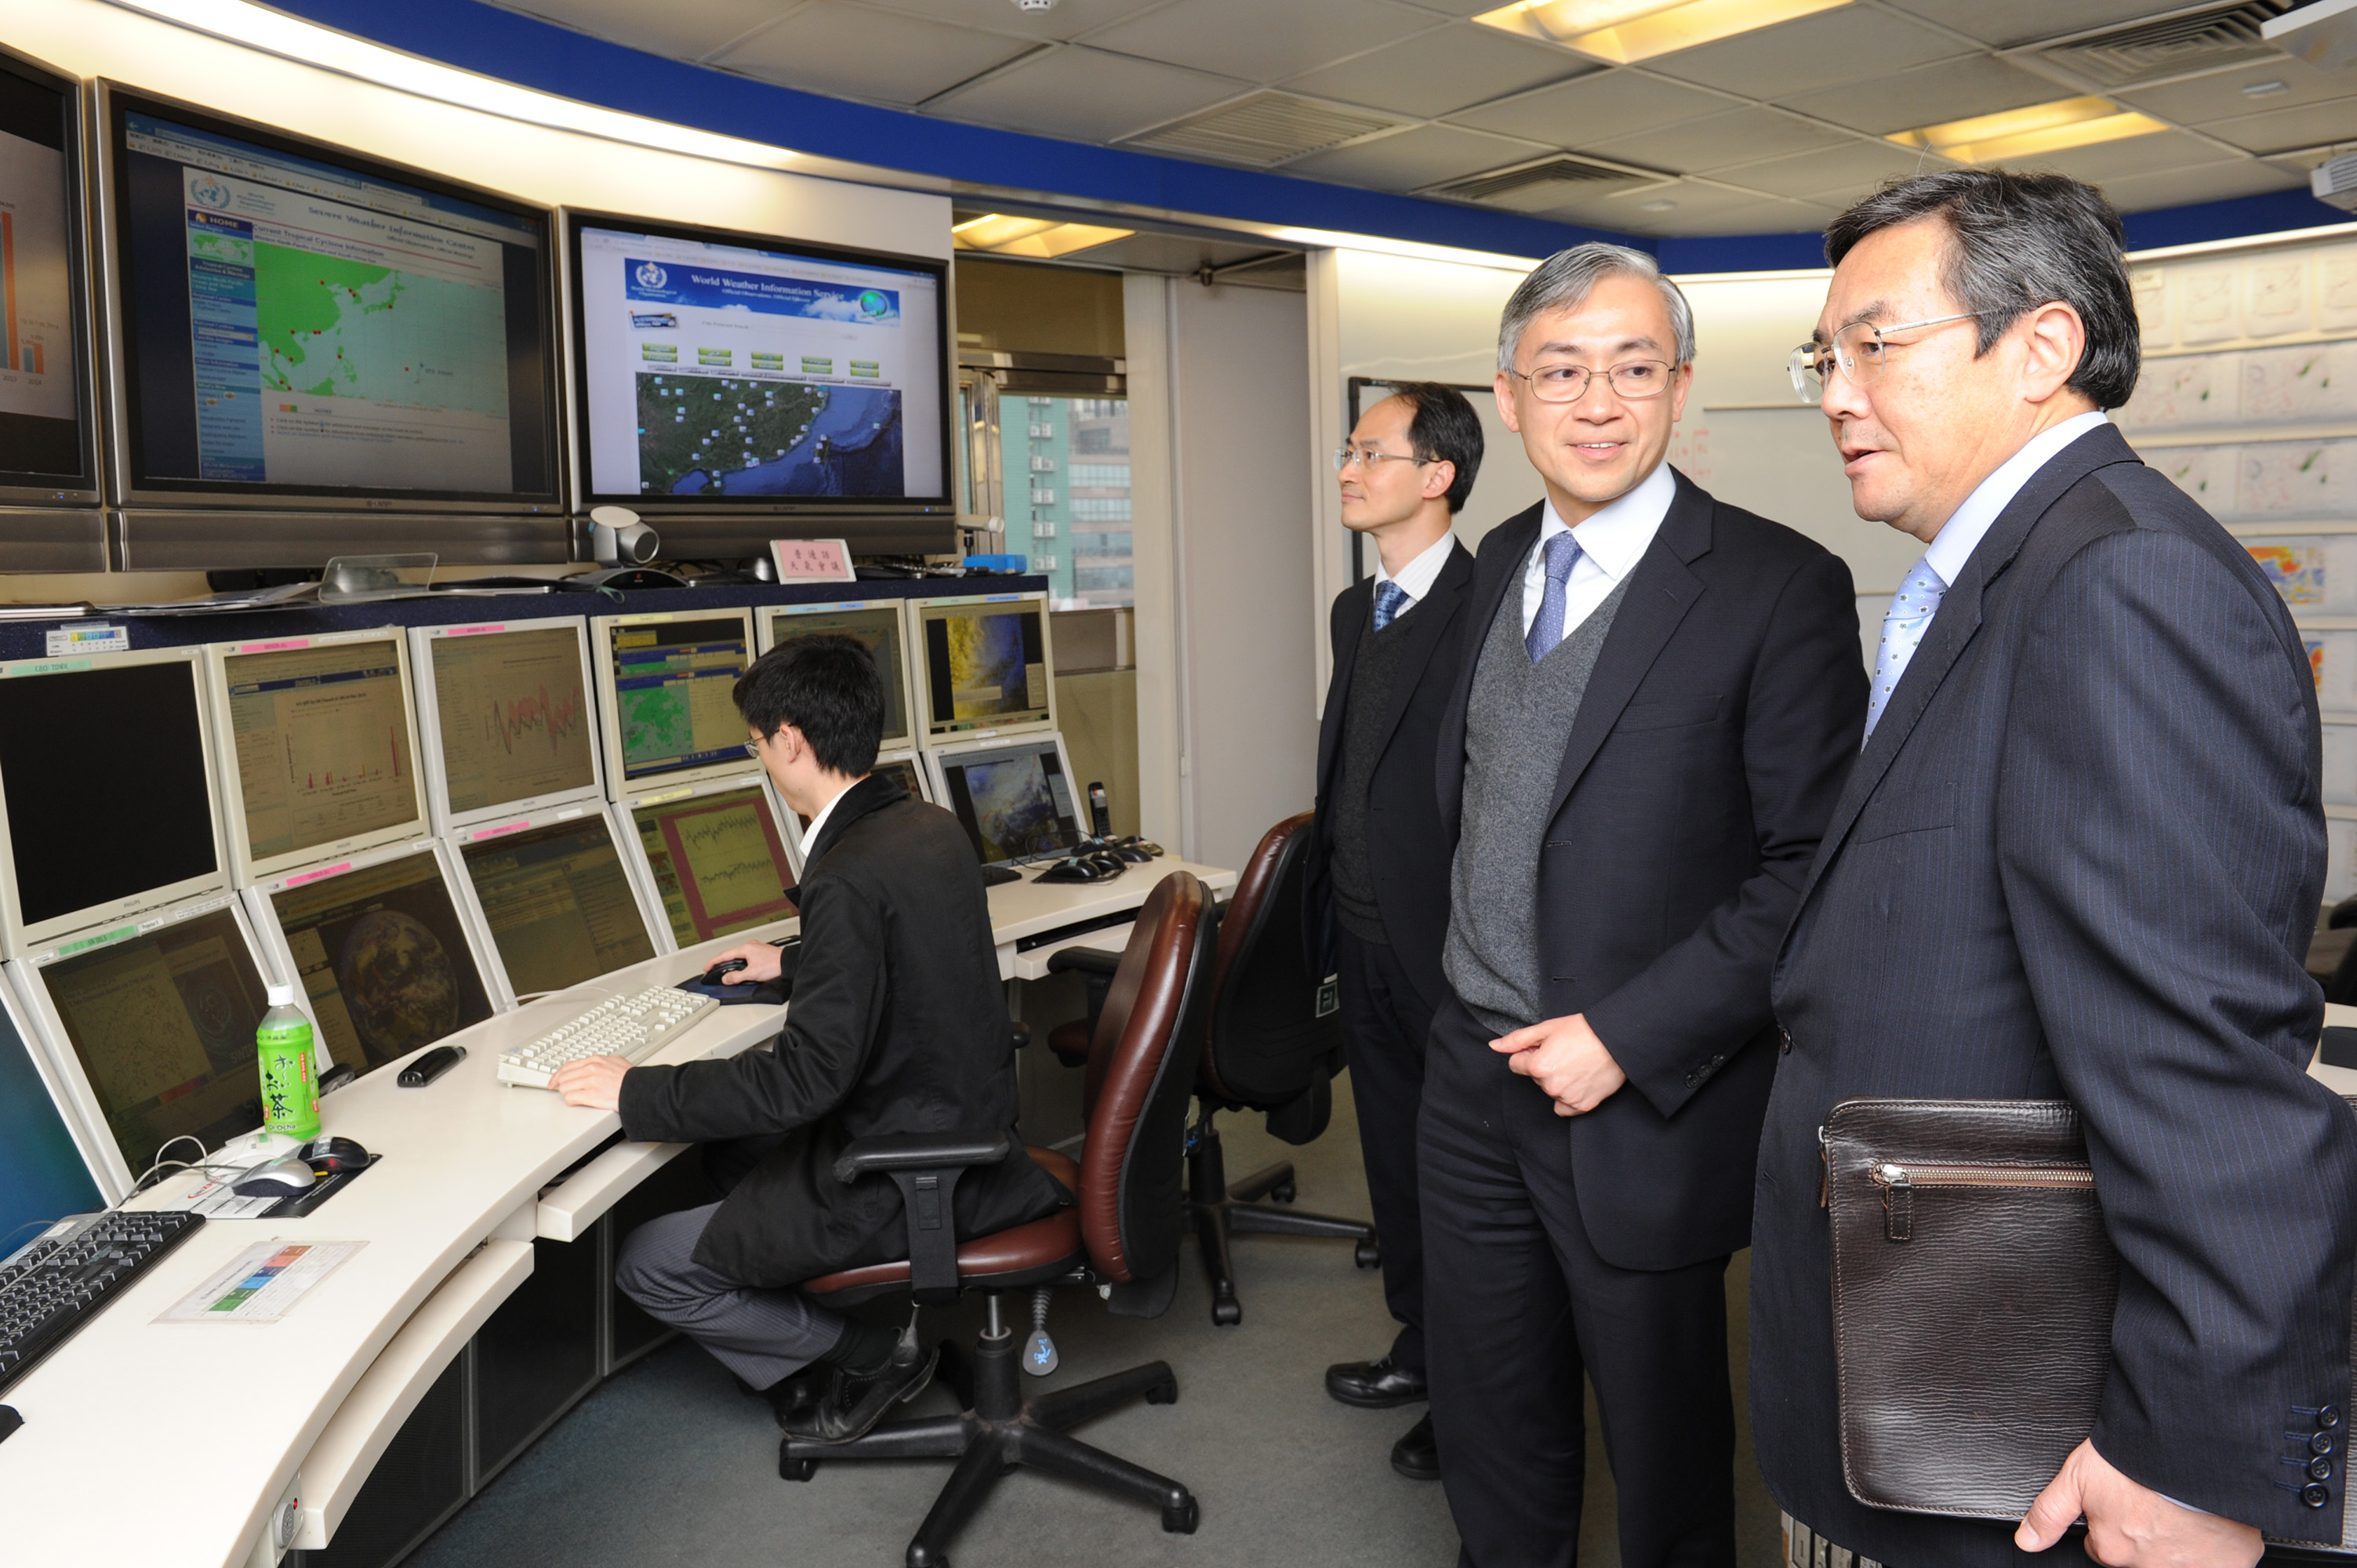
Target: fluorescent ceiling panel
(1627, 31)
(2027, 132)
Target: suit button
(2329, 1418)
(1784, 1040)
(2315, 1494)
(2320, 1443)
(2320, 1469)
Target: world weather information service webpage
(322, 328)
(720, 371)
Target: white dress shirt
(1611, 542)
(1952, 545)
(1415, 578)
(810, 834)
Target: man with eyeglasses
(2079, 859)
(1658, 699)
(1379, 900)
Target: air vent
(1264, 130)
(1536, 186)
(2151, 52)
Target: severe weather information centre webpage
(721, 370)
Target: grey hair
(1564, 280)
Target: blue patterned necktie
(1390, 599)
(1547, 627)
(1903, 624)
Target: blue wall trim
(481, 38)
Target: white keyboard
(633, 1027)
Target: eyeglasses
(1634, 379)
(1346, 456)
(1857, 350)
(753, 749)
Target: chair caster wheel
(1164, 1392)
(1181, 1520)
(1227, 1313)
(792, 1470)
(1367, 1254)
(1284, 1192)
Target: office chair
(1122, 1235)
(1269, 1048)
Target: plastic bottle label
(290, 1080)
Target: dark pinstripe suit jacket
(2080, 857)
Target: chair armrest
(925, 1166)
(1021, 1032)
(888, 1153)
(1087, 961)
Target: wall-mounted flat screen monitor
(44, 1173)
(297, 323)
(49, 450)
(719, 370)
(665, 696)
(508, 725)
(321, 747)
(1015, 800)
(106, 770)
(717, 862)
(877, 624)
(986, 665)
(382, 956)
(556, 900)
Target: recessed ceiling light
(1629, 30)
(2265, 88)
(2028, 133)
(1663, 206)
(1041, 238)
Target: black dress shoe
(1416, 1456)
(854, 1406)
(791, 1397)
(1374, 1385)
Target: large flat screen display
(300, 321)
(721, 370)
(44, 418)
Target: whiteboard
(1780, 463)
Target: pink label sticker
(473, 630)
(494, 832)
(298, 881)
(812, 559)
(271, 646)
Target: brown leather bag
(1974, 1288)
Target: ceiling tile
(682, 33)
(1424, 155)
(2307, 125)
(848, 52)
(1752, 218)
(2130, 157)
(1692, 146)
(2214, 182)
(1859, 166)
(1259, 41)
(1069, 19)
(1608, 105)
(2006, 23)
(1085, 95)
(1822, 50)
(1433, 73)
(2221, 97)
(1929, 95)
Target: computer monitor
(507, 727)
(878, 623)
(106, 770)
(151, 1025)
(320, 752)
(295, 322)
(381, 957)
(987, 665)
(1015, 798)
(48, 444)
(45, 1173)
(665, 705)
(716, 860)
(551, 893)
(720, 372)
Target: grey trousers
(762, 1336)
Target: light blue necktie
(1903, 624)
(1547, 627)
(1390, 599)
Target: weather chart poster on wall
(40, 427)
(721, 372)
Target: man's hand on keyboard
(761, 963)
(594, 1081)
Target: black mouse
(719, 973)
(329, 1155)
(1071, 871)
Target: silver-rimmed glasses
(1346, 456)
(1858, 350)
(1634, 379)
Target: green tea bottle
(290, 1072)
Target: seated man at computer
(897, 1025)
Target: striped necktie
(1903, 625)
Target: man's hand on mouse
(593, 1082)
(761, 963)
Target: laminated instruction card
(263, 1283)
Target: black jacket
(1723, 713)
(897, 1025)
(2081, 859)
(1410, 852)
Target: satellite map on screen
(735, 435)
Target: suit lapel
(1423, 628)
(1356, 616)
(1661, 591)
(1498, 568)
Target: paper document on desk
(263, 1283)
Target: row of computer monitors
(142, 1026)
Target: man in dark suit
(1381, 892)
(1659, 698)
(2079, 858)
(898, 1025)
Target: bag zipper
(1899, 1179)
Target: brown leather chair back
(1267, 1045)
(1141, 1075)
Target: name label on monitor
(89, 637)
(812, 559)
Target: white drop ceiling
(1772, 131)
